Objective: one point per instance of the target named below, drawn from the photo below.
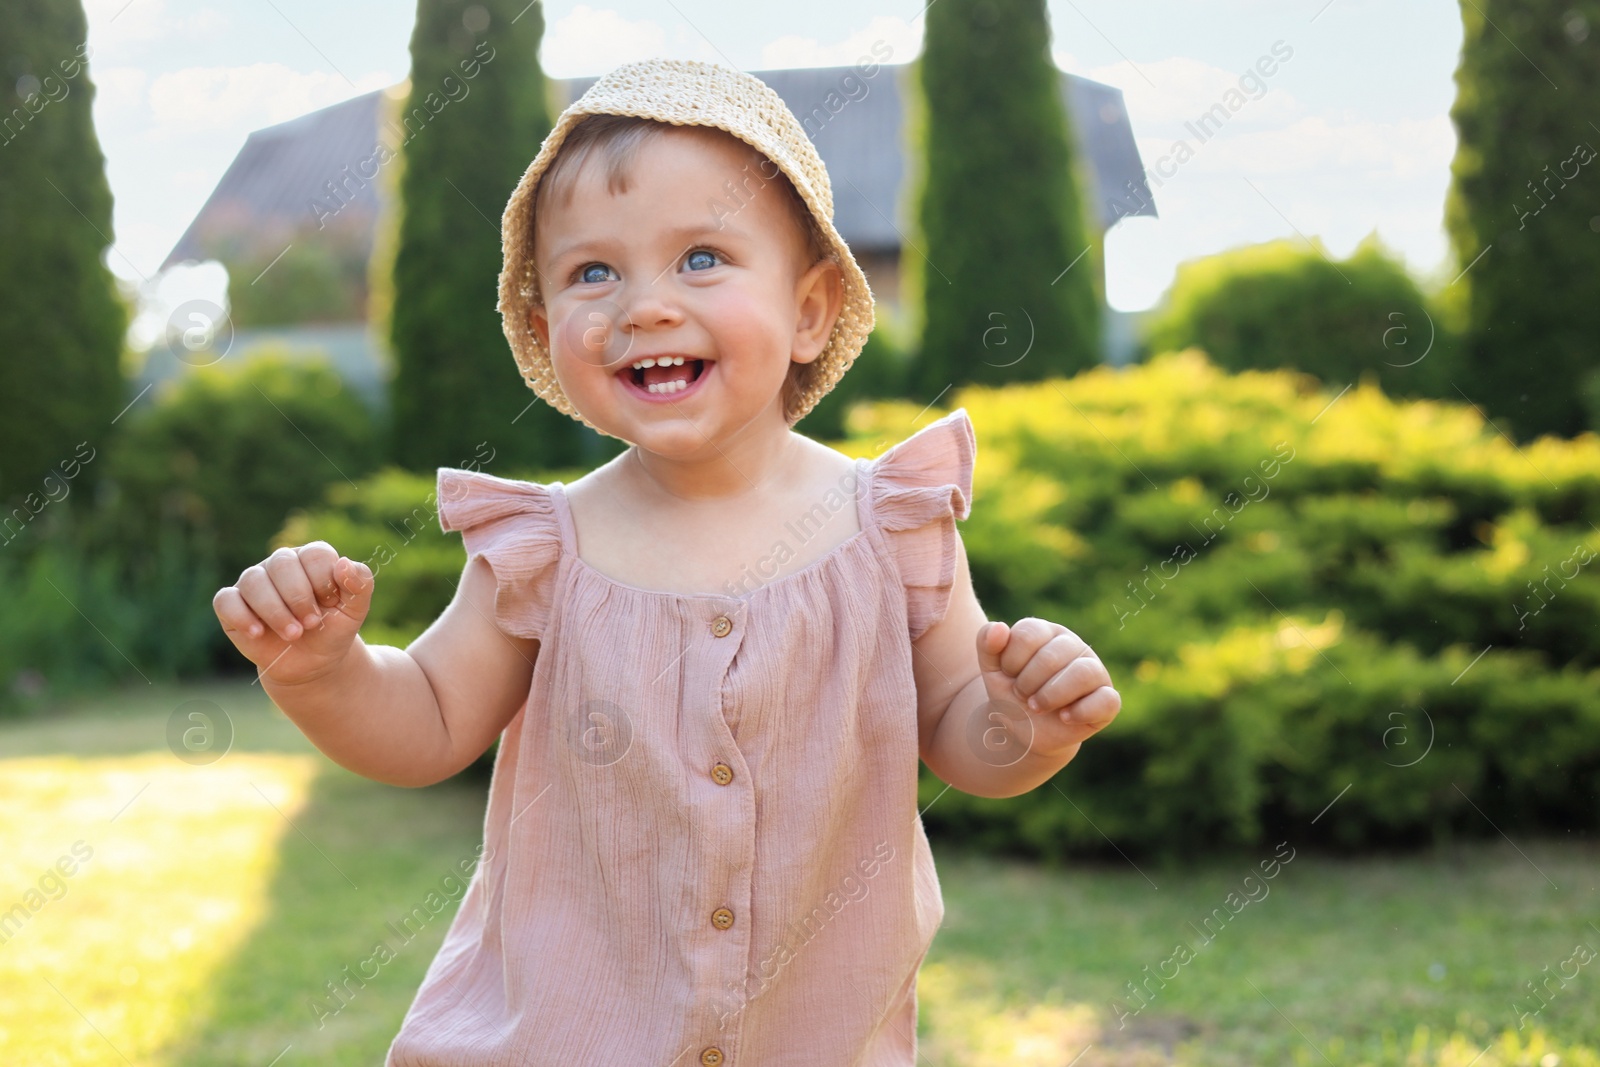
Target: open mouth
(665, 376)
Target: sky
(1350, 133)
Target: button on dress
(702, 836)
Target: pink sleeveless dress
(702, 842)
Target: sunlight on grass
(170, 875)
(970, 1028)
(1408, 960)
(965, 1023)
(195, 927)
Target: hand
(296, 613)
(1049, 671)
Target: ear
(539, 323)
(819, 297)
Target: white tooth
(645, 363)
(677, 361)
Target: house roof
(283, 172)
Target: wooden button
(711, 1056)
(722, 918)
(722, 774)
(721, 626)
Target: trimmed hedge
(116, 585)
(1282, 304)
(1294, 591)
(225, 452)
(1373, 614)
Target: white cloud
(1333, 177)
(904, 39)
(592, 41)
(1185, 89)
(122, 22)
(118, 94)
(1315, 147)
(198, 99)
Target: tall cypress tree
(999, 204)
(475, 118)
(1523, 212)
(61, 320)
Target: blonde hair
(616, 140)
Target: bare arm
(974, 730)
(407, 717)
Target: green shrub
(78, 619)
(119, 586)
(1292, 597)
(224, 454)
(1283, 305)
(1364, 622)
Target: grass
(1383, 960)
(212, 902)
(219, 898)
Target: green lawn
(209, 904)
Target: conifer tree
(1523, 211)
(999, 204)
(476, 116)
(62, 321)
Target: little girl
(712, 662)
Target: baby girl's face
(681, 264)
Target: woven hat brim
(684, 93)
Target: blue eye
(583, 272)
(706, 253)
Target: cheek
(748, 317)
(587, 334)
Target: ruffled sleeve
(920, 487)
(514, 525)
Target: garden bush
(78, 619)
(1283, 305)
(225, 453)
(1342, 617)
(1295, 591)
(117, 586)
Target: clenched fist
(296, 612)
(1049, 670)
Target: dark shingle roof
(283, 169)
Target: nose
(650, 305)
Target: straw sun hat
(685, 93)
